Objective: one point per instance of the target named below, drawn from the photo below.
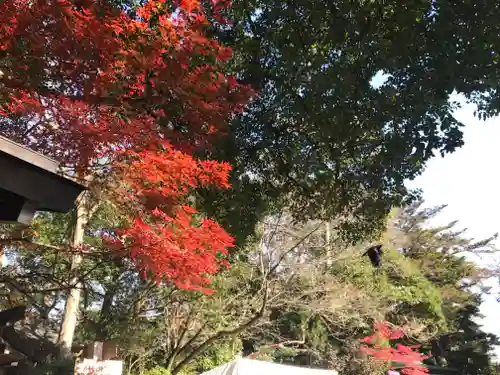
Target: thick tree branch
(225, 333)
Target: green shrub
(156, 371)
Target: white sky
(468, 181)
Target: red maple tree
(378, 347)
(165, 243)
(89, 84)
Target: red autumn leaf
(403, 355)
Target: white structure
(95, 367)
(244, 366)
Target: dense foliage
(236, 159)
(123, 101)
(91, 86)
(295, 298)
(354, 96)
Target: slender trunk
(2, 257)
(102, 324)
(328, 244)
(70, 316)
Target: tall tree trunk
(328, 239)
(70, 316)
(3, 258)
(102, 323)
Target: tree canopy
(354, 97)
(239, 160)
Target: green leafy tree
(440, 253)
(354, 97)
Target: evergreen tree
(441, 254)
